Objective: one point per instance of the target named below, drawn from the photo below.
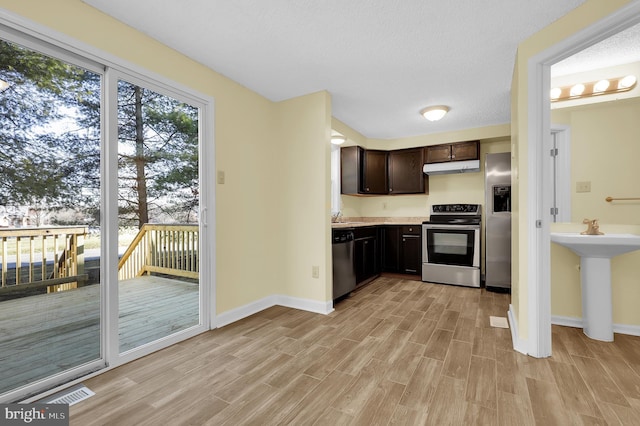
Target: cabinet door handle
(453, 156)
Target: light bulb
(555, 93)
(601, 86)
(627, 82)
(577, 90)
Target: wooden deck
(46, 334)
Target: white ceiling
(619, 49)
(381, 60)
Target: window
(335, 179)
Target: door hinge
(554, 152)
(538, 223)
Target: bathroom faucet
(592, 227)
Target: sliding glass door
(101, 199)
(158, 216)
(50, 242)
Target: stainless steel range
(451, 245)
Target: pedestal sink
(595, 253)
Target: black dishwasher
(344, 275)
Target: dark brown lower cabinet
(402, 249)
(411, 261)
(366, 254)
(390, 236)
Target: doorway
(539, 184)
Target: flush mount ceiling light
(3, 85)
(593, 88)
(434, 113)
(338, 139)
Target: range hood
(452, 167)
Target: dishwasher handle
(342, 237)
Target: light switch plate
(583, 186)
(220, 176)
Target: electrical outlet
(220, 176)
(315, 271)
(384, 206)
(583, 186)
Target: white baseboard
(241, 312)
(305, 304)
(633, 330)
(566, 321)
(237, 314)
(519, 344)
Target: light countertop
(358, 222)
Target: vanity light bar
(593, 88)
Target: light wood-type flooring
(396, 352)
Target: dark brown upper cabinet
(459, 151)
(363, 171)
(375, 176)
(351, 162)
(405, 171)
(377, 172)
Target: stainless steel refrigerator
(497, 221)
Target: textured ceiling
(619, 49)
(381, 60)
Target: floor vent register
(499, 322)
(71, 396)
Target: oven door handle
(458, 227)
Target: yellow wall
(305, 167)
(254, 146)
(604, 151)
(580, 18)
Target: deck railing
(44, 257)
(163, 249)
